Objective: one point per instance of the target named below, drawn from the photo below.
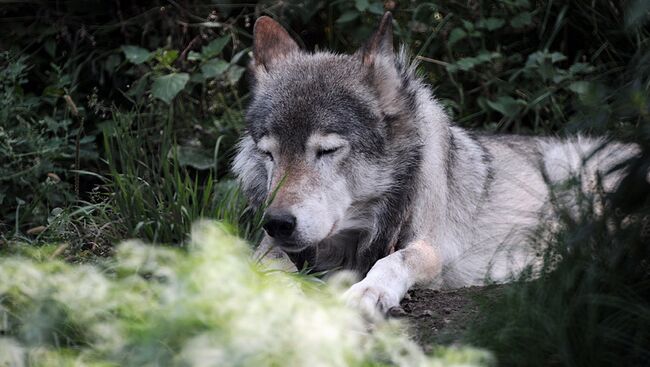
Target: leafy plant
(37, 150)
(207, 306)
(166, 79)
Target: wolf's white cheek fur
(246, 167)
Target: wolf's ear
(381, 42)
(271, 42)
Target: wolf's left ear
(271, 42)
(381, 42)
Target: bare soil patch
(444, 316)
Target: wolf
(365, 171)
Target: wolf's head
(322, 134)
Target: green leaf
(197, 78)
(486, 56)
(214, 68)
(234, 74)
(637, 13)
(456, 35)
(361, 5)
(166, 87)
(491, 23)
(580, 87)
(468, 25)
(193, 56)
(135, 54)
(376, 8)
(348, 16)
(167, 57)
(53, 91)
(522, 3)
(580, 68)
(50, 47)
(112, 62)
(215, 47)
(507, 106)
(466, 63)
(196, 157)
(138, 88)
(521, 20)
(560, 76)
(557, 56)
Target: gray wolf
(368, 173)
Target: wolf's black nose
(279, 224)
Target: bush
(37, 149)
(209, 306)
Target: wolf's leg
(389, 279)
(273, 258)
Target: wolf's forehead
(298, 113)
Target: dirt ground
(443, 316)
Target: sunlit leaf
(348, 16)
(361, 5)
(167, 57)
(214, 68)
(193, 56)
(136, 55)
(456, 35)
(234, 74)
(521, 20)
(196, 157)
(491, 23)
(166, 87)
(507, 106)
(215, 47)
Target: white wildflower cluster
(207, 306)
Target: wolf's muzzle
(279, 223)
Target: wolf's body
(378, 180)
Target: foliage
(506, 66)
(82, 68)
(209, 306)
(36, 150)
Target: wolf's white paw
(374, 300)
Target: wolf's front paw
(374, 300)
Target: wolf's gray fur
(381, 182)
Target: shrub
(37, 149)
(207, 306)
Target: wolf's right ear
(381, 42)
(271, 42)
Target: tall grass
(156, 197)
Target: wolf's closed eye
(269, 155)
(324, 152)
